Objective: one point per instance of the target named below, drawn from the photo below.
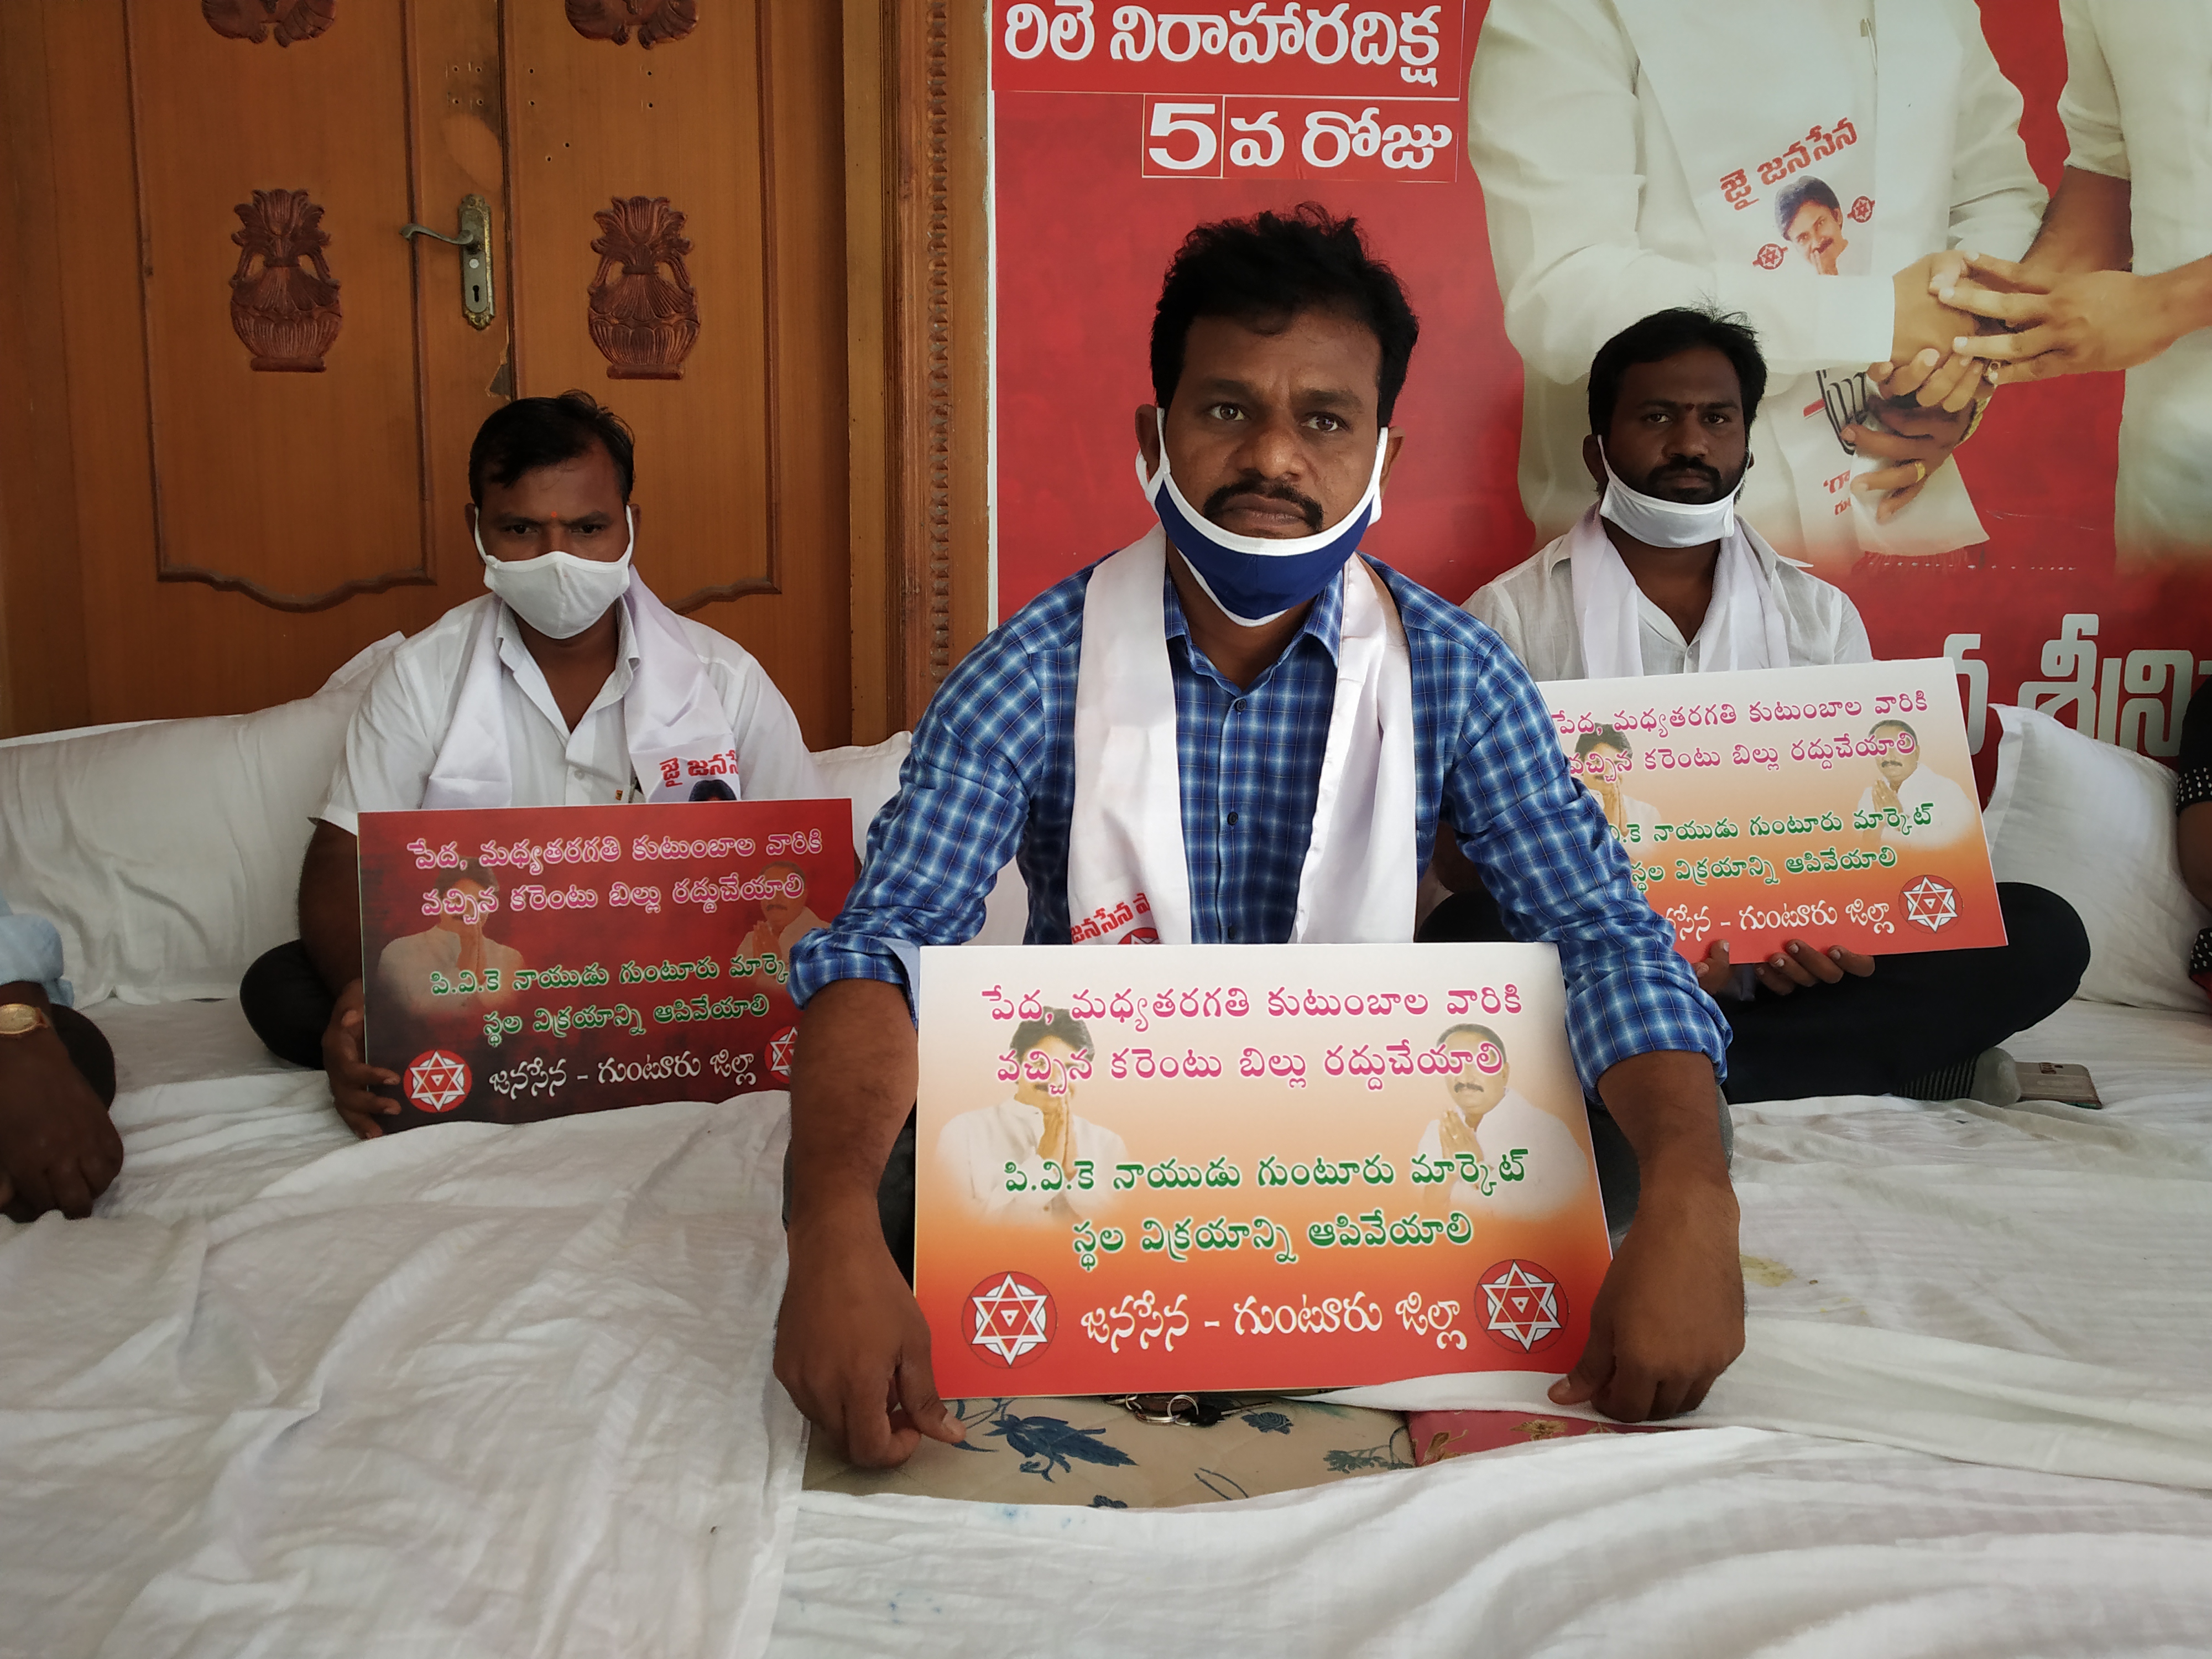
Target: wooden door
(260, 394)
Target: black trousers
(287, 1004)
(1913, 1014)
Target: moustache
(1676, 473)
(1217, 502)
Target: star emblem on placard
(1009, 1318)
(437, 1081)
(1523, 1308)
(778, 1050)
(1932, 902)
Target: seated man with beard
(1660, 576)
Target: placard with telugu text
(534, 962)
(1835, 805)
(1221, 1167)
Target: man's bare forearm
(2085, 227)
(330, 906)
(27, 990)
(1668, 1106)
(853, 1083)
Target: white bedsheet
(2029, 1289)
(467, 1390)
(474, 1390)
(1704, 1543)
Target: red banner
(1117, 128)
(535, 962)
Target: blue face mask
(1256, 579)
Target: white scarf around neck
(1743, 626)
(1129, 877)
(676, 728)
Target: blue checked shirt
(991, 774)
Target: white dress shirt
(1532, 607)
(396, 734)
(1594, 219)
(976, 1147)
(1553, 1174)
(2153, 63)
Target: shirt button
(1237, 707)
(1232, 933)
(1232, 820)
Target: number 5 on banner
(1183, 138)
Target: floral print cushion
(1093, 1452)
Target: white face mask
(559, 594)
(1661, 523)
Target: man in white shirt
(453, 946)
(2120, 276)
(569, 683)
(1603, 760)
(1632, 155)
(1535, 1168)
(1661, 576)
(1911, 806)
(997, 1156)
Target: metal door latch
(475, 244)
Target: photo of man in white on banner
(1811, 164)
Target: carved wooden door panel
(679, 253)
(269, 391)
(269, 397)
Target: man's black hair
(1263, 270)
(534, 431)
(473, 871)
(1666, 334)
(1604, 737)
(1799, 191)
(1054, 1023)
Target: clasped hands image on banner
(1835, 805)
(1224, 1167)
(527, 962)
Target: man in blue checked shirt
(1153, 740)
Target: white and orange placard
(1832, 804)
(1220, 1167)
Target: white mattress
(2029, 1287)
(460, 1391)
(471, 1390)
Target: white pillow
(167, 854)
(870, 777)
(2095, 824)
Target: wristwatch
(22, 1018)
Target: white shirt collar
(530, 678)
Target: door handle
(475, 244)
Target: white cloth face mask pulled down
(1660, 523)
